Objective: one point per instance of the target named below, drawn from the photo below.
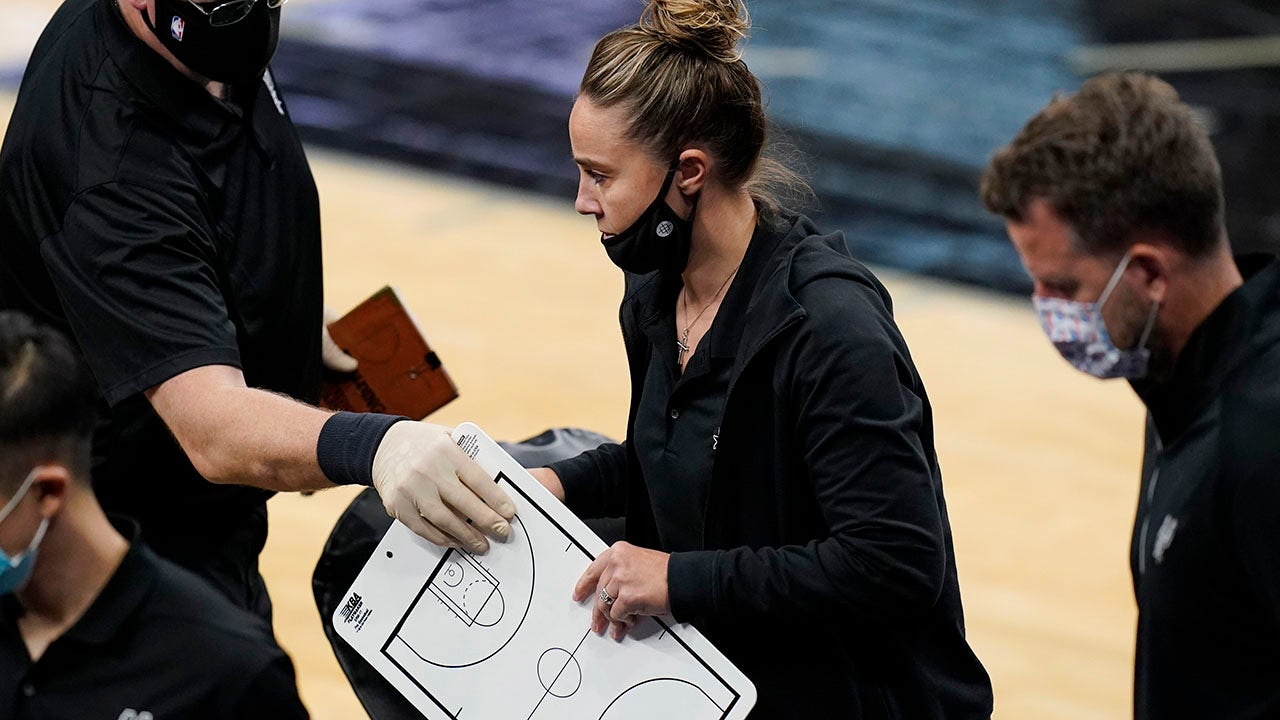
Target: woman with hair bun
(778, 478)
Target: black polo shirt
(156, 640)
(678, 419)
(164, 230)
(1205, 552)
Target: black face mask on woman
(202, 39)
(657, 240)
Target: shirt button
(29, 690)
(674, 413)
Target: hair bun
(714, 27)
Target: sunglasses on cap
(230, 13)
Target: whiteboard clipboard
(483, 637)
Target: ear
(1155, 262)
(50, 488)
(691, 172)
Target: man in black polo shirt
(1113, 198)
(92, 623)
(156, 204)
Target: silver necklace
(682, 345)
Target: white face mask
(1080, 334)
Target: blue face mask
(1080, 334)
(16, 571)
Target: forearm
(549, 480)
(264, 440)
(879, 583)
(594, 483)
(238, 435)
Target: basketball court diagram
(465, 613)
(498, 636)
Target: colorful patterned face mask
(1080, 334)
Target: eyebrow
(590, 162)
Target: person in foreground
(778, 477)
(157, 207)
(1113, 198)
(92, 623)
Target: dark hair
(681, 76)
(47, 401)
(1122, 155)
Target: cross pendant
(683, 346)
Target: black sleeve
(271, 695)
(858, 424)
(135, 271)
(595, 482)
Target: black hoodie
(827, 573)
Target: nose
(586, 203)
(1040, 290)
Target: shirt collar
(182, 100)
(122, 595)
(726, 337)
(725, 334)
(1215, 349)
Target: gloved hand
(330, 353)
(430, 485)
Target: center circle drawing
(559, 672)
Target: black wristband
(348, 441)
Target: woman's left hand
(636, 580)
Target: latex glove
(634, 578)
(330, 353)
(430, 485)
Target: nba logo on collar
(177, 27)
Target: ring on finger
(605, 597)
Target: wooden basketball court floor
(1040, 463)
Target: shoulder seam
(84, 117)
(75, 198)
